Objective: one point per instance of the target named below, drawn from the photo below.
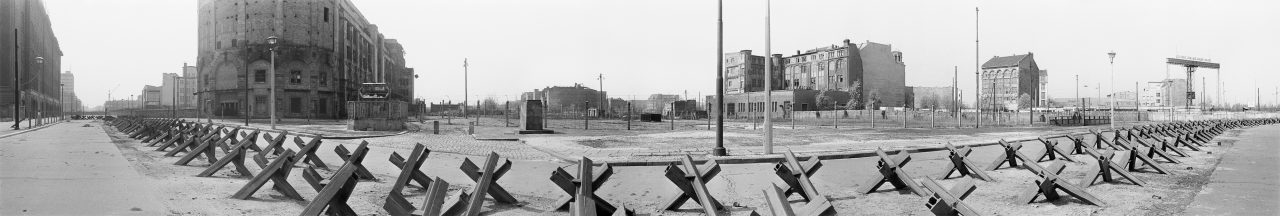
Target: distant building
(853, 76)
(566, 98)
(1043, 97)
(874, 73)
(442, 107)
(151, 97)
(70, 102)
(658, 103)
(1165, 93)
(1014, 81)
(1125, 100)
(745, 72)
(183, 87)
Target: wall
(884, 76)
(36, 39)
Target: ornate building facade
(326, 49)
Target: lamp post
(61, 108)
(16, 102)
(39, 104)
(1112, 56)
(719, 150)
(271, 81)
(173, 106)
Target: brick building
(39, 94)
(1014, 81)
(326, 49)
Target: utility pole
(174, 106)
(271, 82)
(604, 101)
(17, 103)
(768, 83)
(977, 78)
(465, 87)
(719, 149)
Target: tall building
(187, 87)
(326, 50)
(1043, 98)
(1014, 81)
(744, 72)
(864, 74)
(35, 39)
(179, 88)
(70, 102)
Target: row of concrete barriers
(192, 140)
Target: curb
(311, 135)
(30, 130)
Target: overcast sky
(668, 46)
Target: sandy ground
(644, 188)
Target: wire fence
(837, 119)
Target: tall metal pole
(1079, 101)
(768, 83)
(465, 87)
(173, 113)
(271, 82)
(719, 149)
(955, 93)
(1112, 56)
(17, 104)
(977, 78)
(604, 101)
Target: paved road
(1247, 181)
(68, 169)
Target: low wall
(375, 124)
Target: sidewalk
(68, 169)
(1247, 180)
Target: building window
(233, 42)
(260, 76)
(326, 14)
(324, 78)
(295, 77)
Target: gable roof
(1004, 61)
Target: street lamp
(39, 105)
(1112, 56)
(271, 80)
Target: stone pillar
(531, 116)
